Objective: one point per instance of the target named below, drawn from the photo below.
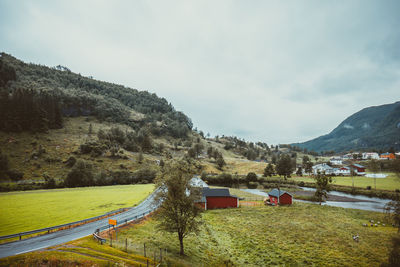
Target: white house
(322, 168)
(343, 171)
(370, 155)
(336, 161)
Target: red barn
(359, 169)
(284, 197)
(218, 198)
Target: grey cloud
(274, 71)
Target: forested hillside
(371, 128)
(33, 97)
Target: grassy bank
(81, 252)
(46, 208)
(302, 234)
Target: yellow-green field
(45, 208)
(392, 182)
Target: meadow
(45, 208)
(297, 235)
(391, 182)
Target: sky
(270, 71)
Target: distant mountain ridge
(376, 127)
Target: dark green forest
(35, 98)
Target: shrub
(15, 175)
(253, 185)
(251, 177)
(368, 187)
(70, 162)
(80, 175)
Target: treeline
(78, 95)
(25, 110)
(82, 174)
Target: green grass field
(30, 210)
(392, 182)
(298, 235)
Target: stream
(364, 203)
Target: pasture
(297, 235)
(391, 182)
(30, 210)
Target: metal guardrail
(131, 219)
(48, 229)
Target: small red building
(359, 169)
(284, 197)
(217, 198)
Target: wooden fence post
(126, 244)
(144, 246)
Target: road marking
(30, 250)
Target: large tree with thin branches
(178, 212)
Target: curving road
(59, 237)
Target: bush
(93, 148)
(80, 175)
(251, 177)
(368, 187)
(15, 175)
(144, 174)
(253, 185)
(70, 162)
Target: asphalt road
(59, 237)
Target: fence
(251, 203)
(146, 250)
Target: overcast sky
(272, 71)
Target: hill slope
(375, 127)
(23, 85)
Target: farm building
(322, 168)
(342, 171)
(359, 169)
(217, 198)
(388, 156)
(284, 197)
(370, 155)
(336, 161)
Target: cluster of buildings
(368, 156)
(338, 167)
(340, 170)
(220, 198)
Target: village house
(358, 169)
(284, 197)
(336, 161)
(343, 171)
(370, 155)
(322, 168)
(388, 156)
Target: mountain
(376, 127)
(34, 97)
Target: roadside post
(114, 224)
